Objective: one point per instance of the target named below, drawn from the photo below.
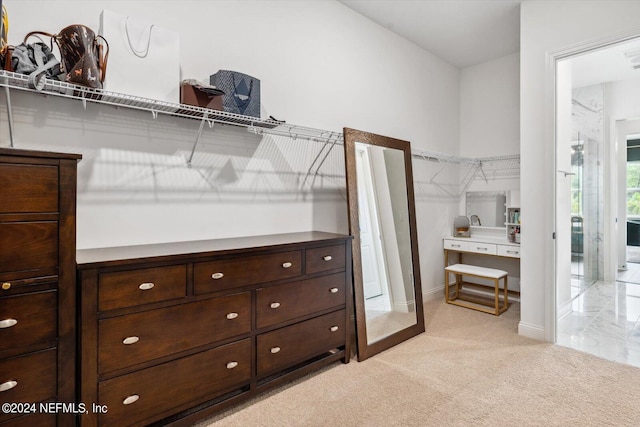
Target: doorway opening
(598, 201)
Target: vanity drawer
(287, 346)
(28, 188)
(325, 259)
(189, 380)
(280, 303)
(28, 245)
(143, 286)
(231, 273)
(482, 248)
(28, 319)
(34, 376)
(456, 245)
(509, 251)
(156, 333)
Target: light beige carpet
(468, 369)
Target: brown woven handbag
(84, 59)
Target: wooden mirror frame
(366, 350)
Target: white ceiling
(461, 32)
(470, 32)
(614, 63)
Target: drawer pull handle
(513, 252)
(8, 385)
(286, 265)
(146, 286)
(275, 350)
(232, 315)
(7, 323)
(130, 399)
(232, 365)
(455, 246)
(130, 340)
(327, 258)
(333, 328)
(334, 290)
(274, 305)
(481, 249)
(6, 286)
(217, 276)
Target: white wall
(548, 27)
(490, 117)
(624, 99)
(320, 64)
(490, 108)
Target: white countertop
(493, 235)
(484, 239)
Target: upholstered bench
(471, 301)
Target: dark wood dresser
(172, 333)
(37, 293)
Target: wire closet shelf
(99, 96)
(470, 169)
(476, 168)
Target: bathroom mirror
(386, 268)
(486, 208)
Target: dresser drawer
(28, 319)
(482, 248)
(40, 419)
(28, 188)
(324, 259)
(28, 245)
(285, 347)
(214, 276)
(509, 251)
(143, 286)
(456, 245)
(32, 376)
(192, 379)
(280, 303)
(156, 333)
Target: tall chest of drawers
(37, 277)
(172, 333)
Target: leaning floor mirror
(382, 220)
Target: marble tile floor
(631, 274)
(605, 321)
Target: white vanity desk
(483, 240)
(492, 243)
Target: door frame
(551, 126)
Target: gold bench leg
(506, 293)
(497, 292)
(446, 286)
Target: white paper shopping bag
(144, 58)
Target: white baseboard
(431, 294)
(531, 331)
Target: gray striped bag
(242, 92)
